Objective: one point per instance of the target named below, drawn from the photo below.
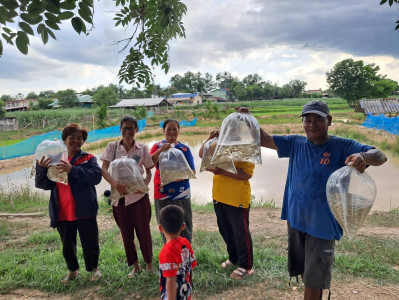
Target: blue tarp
(28, 146)
(184, 123)
(383, 123)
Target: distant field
(10, 142)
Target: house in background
(386, 106)
(152, 104)
(186, 98)
(19, 104)
(222, 95)
(85, 100)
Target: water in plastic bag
(174, 166)
(208, 151)
(125, 170)
(350, 195)
(239, 140)
(56, 151)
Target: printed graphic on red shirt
(177, 259)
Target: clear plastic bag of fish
(56, 151)
(126, 171)
(173, 166)
(239, 140)
(350, 195)
(208, 151)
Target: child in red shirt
(176, 259)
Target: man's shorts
(311, 257)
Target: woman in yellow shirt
(231, 195)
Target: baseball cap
(316, 107)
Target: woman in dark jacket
(73, 207)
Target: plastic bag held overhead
(208, 151)
(350, 195)
(173, 166)
(239, 140)
(56, 151)
(125, 170)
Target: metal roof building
(147, 102)
(384, 106)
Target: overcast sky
(280, 40)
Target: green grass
(10, 142)
(22, 199)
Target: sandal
(72, 275)
(226, 264)
(96, 275)
(133, 273)
(241, 273)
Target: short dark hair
(131, 119)
(170, 120)
(71, 128)
(171, 218)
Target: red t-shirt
(177, 259)
(66, 202)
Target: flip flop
(226, 264)
(96, 275)
(70, 277)
(133, 273)
(241, 273)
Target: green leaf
(50, 32)
(86, 9)
(36, 8)
(52, 25)
(53, 8)
(397, 27)
(68, 5)
(10, 4)
(383, 1)
(8, 30)
(85, 16)
(1, 48)
(51, 17)
(390, 2)
(65, 15)
(77, 24)
(40, 28)
(22, 42)
(26, 28)
(3, 15)
(31, 19)
(44, 35)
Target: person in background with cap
(312, 228)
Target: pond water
(267, 182)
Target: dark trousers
(88, 233)
(185, 204)
(135, 217)
(233, 223)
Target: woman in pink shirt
(132, 212)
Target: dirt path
(263, 221)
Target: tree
(252, 79)
(32, 95)
(43, 103)
(390, 2)
(296, 88)
(6, 98)
(383, 88)
(102, 114)
(47, 94)
(67, 98)
(2, 111)
(151, 25)
(105, 96)
(352, 80)
(240, 92)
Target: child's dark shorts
(310, 256)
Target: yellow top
(232, 191)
